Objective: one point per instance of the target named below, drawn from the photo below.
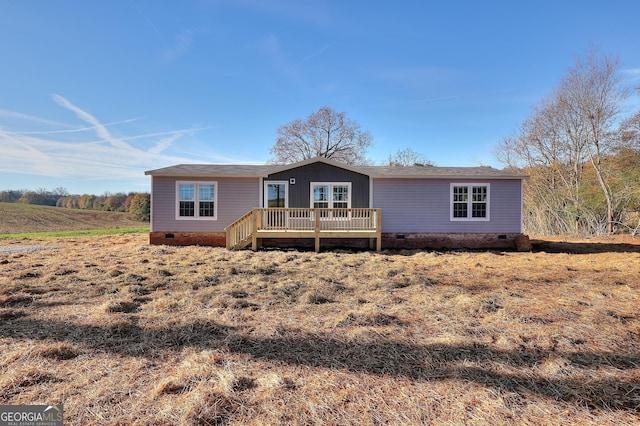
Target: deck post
(378, 213)
(316, 213)
(254, 234)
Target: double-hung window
(196, 200)
(320, 196)
(331, 195)
(340, 195)
(470, 201)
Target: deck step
(242, 244)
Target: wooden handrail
(239, 231)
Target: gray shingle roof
(213, 170)
(388, 172)
(395, 172)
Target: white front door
(276, 194)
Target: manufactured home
(322, 203)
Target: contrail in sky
(155, 29)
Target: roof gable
(285, 167)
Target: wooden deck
(274, 223)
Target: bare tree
(590, 99)
(408, 157)
(573, 128)
(325, 133)
(555, 164)
(630, 132)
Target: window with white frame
(327, 195)
(320, 194)
(197, 200)
(341, 196)
(470, 201)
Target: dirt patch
(24, 248)
(609, 244)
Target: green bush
(140, 207)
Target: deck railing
(239, 232)
(304, 223)
(301, 219)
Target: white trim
(151, 206)
(469, 186)
(265, 192)
(196, 199)
(330, 185)
(370, 192)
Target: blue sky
(93, 93)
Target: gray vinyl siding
(236, 196)
(299, 193)
(420, 205)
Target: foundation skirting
(409, 240)
(412, 240)
(215, 239)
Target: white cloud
(165, 143)
(100, 129)
(29, 118)
(24, 154)
(69, 153)
(35, 149)
(77, 130)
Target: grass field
(126, 333)
(27, 220)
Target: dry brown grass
(126, 333)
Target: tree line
(137, 204)
(581, 148)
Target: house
(320, 202)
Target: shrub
(140, 207)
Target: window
(320, 196)
(469, 201)
(206, 198)
(479, 201)
(330, 195)
(340, 196)
(460, 200)
(196, 200)
(275, 194)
